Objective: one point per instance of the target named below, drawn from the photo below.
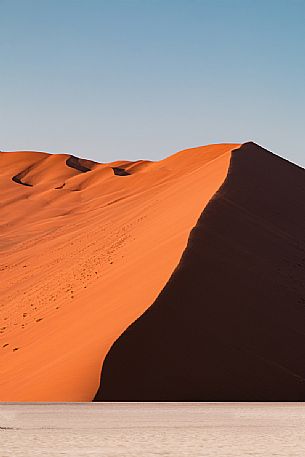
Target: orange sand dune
(85, 249)
(230, 323)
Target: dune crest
(85, 249)
(229, 325)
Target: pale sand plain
(152, 430)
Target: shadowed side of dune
(17, 179)
(230, 323)
(120, 171)
(21, 176)
(82, 165)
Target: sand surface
(230, 323)
(152, 430)
(85, 249)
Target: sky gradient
(139, 79)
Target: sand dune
(86, 248)
(229, 325)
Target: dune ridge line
(229, 325)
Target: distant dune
(86, 248)
(230, 323)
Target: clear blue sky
(144, 78)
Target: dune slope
(230, 323)
(85, 249)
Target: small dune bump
(60, 187)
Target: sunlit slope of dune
(85, 249)
(230, 323)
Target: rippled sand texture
(125, 430)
